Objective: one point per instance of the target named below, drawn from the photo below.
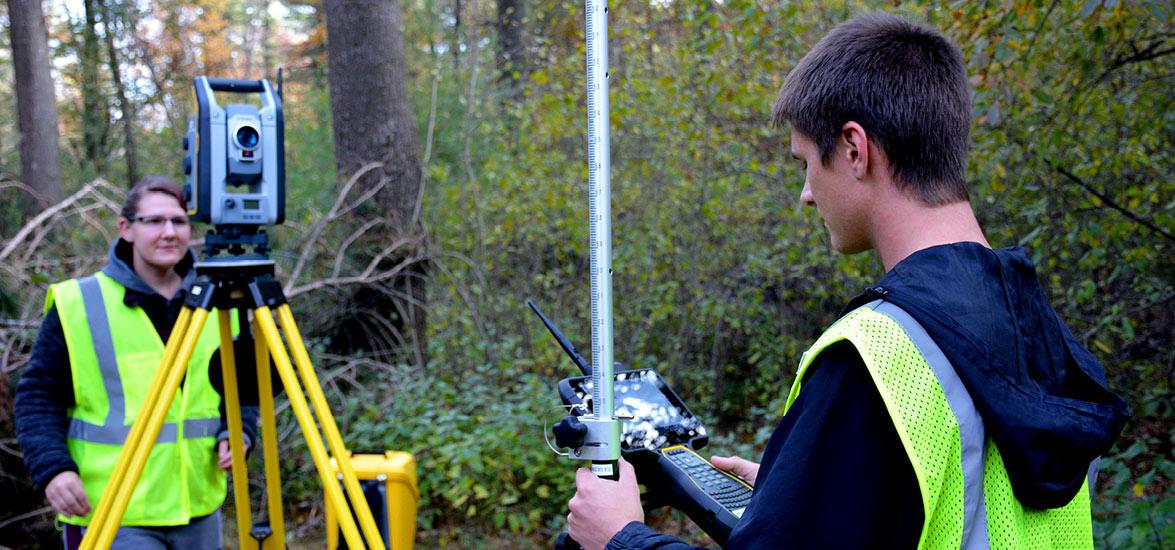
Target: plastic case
(389, 483)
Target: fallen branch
(334, 213)
(342, 254)
(39, 221)
(365, 279)
(22, 517)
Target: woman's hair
(151, 184)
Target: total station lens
(247, 137)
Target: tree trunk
(373, 122)
(95, 108)
(36, 103)
(511, 57)
(124, 105)
(456, 48)
(266, 38)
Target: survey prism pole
(602, 444)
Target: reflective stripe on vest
(114, 430)
(971, 431)
(921, 389)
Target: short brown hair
(151, 184)
(904, 83)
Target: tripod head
(236, 241)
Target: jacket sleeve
(249, 418)
(638, 535)
(43, 395)
(834, 474)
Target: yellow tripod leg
(120, 469)
(122, 466)
(112, 505)
(309, 430)
(232, 408)
(332, 532)
(273, 488)
(329, 428)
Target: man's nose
(806, 195)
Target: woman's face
(158, 233)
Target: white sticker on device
(602, 470)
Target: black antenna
(279, 83)
(563, 342)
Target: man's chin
(849, 249)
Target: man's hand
(66, 495)
(740, 467)
(602, 507)
(226, 456)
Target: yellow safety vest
(967, 499)
(114, 353)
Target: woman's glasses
(157, 222)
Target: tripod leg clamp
(267, 292)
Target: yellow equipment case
(394, 475)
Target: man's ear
(856, 148)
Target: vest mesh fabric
(930, 435)
(1011, 526)
(920, 413)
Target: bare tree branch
(342, 254)
(336, 211)
(432, 121)
(40, 220)
(1112, 204)
(365, 279)
(22, 517)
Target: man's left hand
(226, 457)
(602, 507)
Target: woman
(98, 350)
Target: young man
(98, 350)
(949, 407)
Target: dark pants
(202, 533)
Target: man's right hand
(740, 467)
(66, 495)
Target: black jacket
(45, 390)
(832, 477)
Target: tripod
(246, 284)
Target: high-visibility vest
(114, 354)
(967, 499)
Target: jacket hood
(120, 262)
(1042, 395)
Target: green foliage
(716, 273)
(1135, 507)
(721, 279)
(1074, 111)
(477, 439)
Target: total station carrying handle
(236, 86)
